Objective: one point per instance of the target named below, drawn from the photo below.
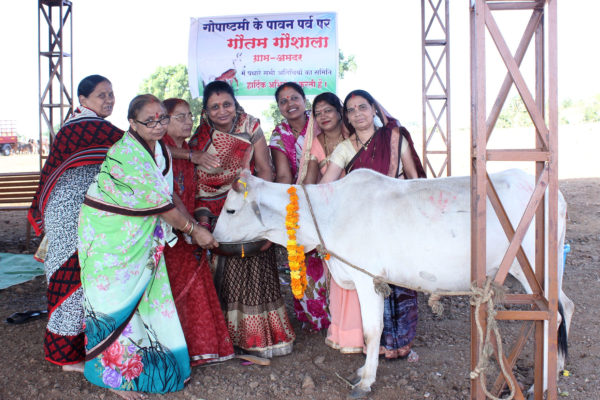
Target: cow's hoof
(354, 379)
(358, 393)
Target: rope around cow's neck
(478, 296)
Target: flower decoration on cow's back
(295, 252)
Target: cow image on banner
(255, 54)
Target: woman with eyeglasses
(291, 147)
(191, 279)
(247, 284)
(378, 142)
(134, 341)
(77, 151)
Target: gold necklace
(296, 131)
(327, 153)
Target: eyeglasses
(182, 117)
(154, 124)
(361, 107)
(325, 112)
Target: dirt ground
(310, 372)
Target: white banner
(257, 53)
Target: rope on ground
(489, 294)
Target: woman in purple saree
(387, 149)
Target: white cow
(412, 232)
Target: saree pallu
(84, 139)
(312, 309)
(400, 314)
(134, 340)
(234, 151)
(75, 157)
(191, 280)
(248, 288)
(293, 146)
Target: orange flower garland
(295, 252)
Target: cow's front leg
(371, 310)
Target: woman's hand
(266, 246)
(205, 159)
(203, 238)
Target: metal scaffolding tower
(435, 40)
(542, 304)
(55, 47)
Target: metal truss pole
(55, 48)
(435, 43)
(543, 301)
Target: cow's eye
(230, 211)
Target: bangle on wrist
(186, 226)
(190, 156)
(191, 229)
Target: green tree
(348, 64)
(172, 81)
(591, 109)
(514, 114)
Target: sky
(127, 40)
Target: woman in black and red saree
(378, 142)
(74, 160)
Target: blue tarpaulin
(18, 268)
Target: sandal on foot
(22, 317)
(254, 359)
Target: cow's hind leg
(371, 307)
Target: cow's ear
(256, 210)
(245, 174)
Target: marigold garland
(295, 252)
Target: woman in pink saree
(290, 148)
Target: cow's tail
(563, 345)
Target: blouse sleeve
(342, 154)
(404, 147)
(276, 140)
(257, 135)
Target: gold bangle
(186, 226)
(191, 229)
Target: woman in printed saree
(74, 160)
(134, 341)
(290, 146)
(248, 286)
(389, 150)
(189, 271)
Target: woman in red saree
(248, 286)
(389, 150)
(189, 272)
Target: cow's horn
(238, 186)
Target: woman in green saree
(134, 341)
